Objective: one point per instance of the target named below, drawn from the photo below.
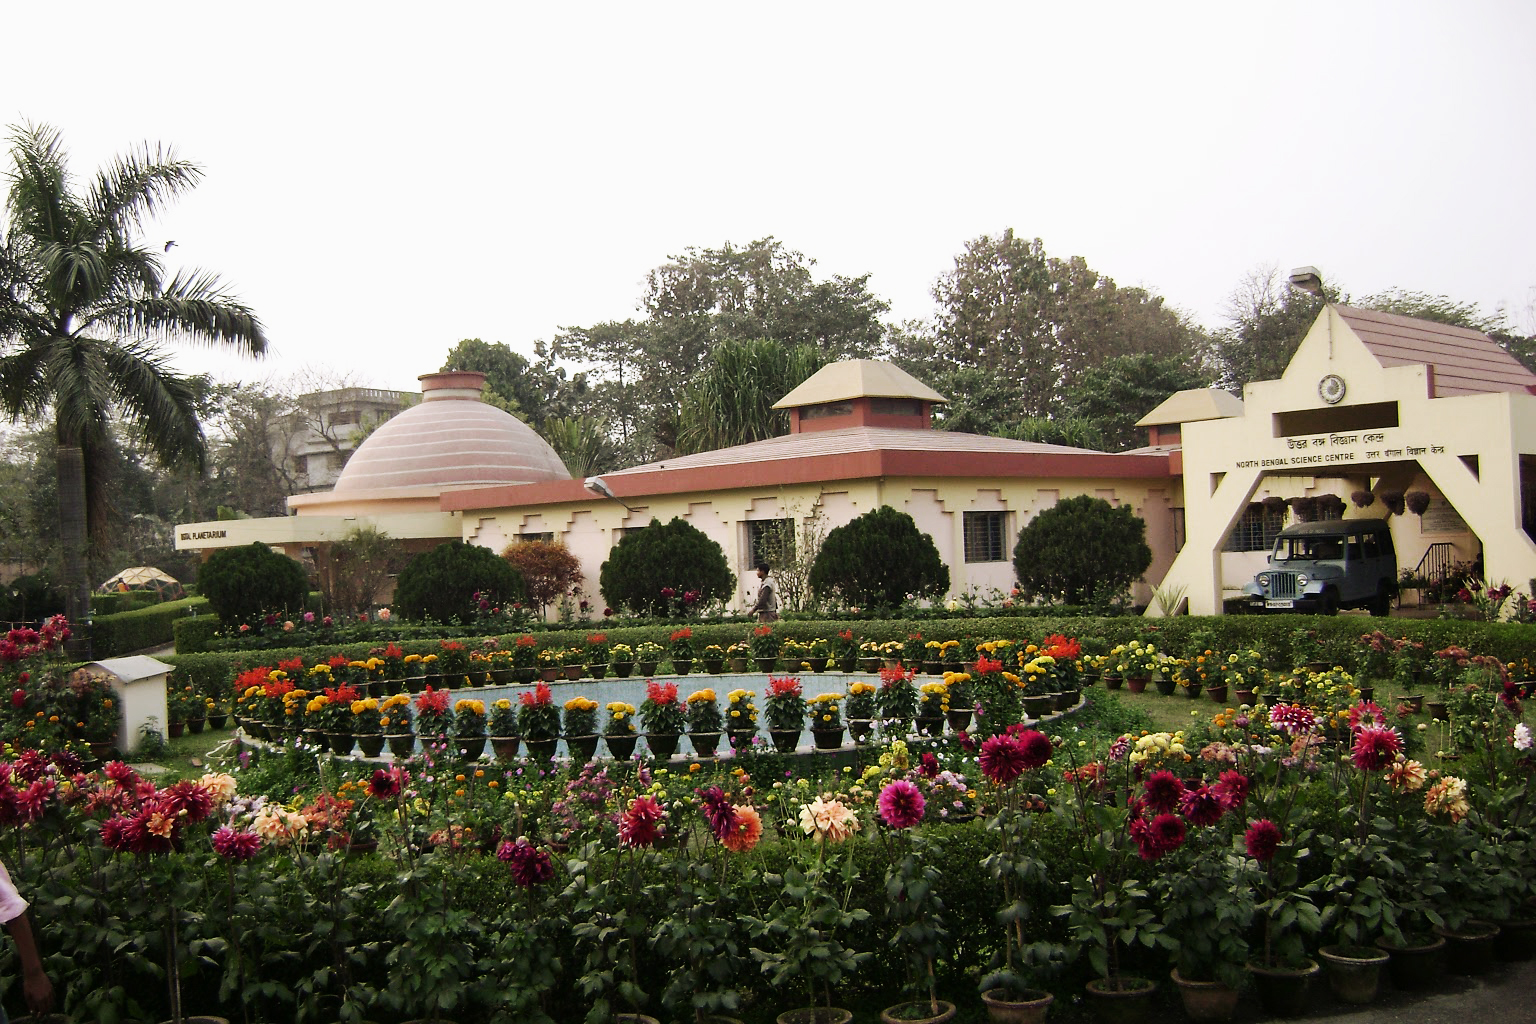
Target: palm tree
(84, 309)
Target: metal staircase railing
(1435, 565)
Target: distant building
(314, 442)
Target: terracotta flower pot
(830, 739)
(505, 747)
(1416, 965)
(582, 748)
(1354, 972)
(1284, 991)
(1469, 949)
(1205, 1000)
(705, 744)
(919, 1011)
(1137, 684)
(815, 1015)
(1112, 682)
(1017, 1006)
(1165, 686)
(1121, 1000)
(1218, 694)
(785, 740)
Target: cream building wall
(937, 505)
(1464, 450)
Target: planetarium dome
(450, 440)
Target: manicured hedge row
(126, 632)
(1336, 637)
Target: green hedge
(115, 635)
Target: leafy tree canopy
(731, 401)
(245, 583)
(531, 391)
(1081, 550)
(549, 571)
(675, 556)
(441, 584)
(1033, 324)
(878, 560)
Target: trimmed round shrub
(1080, 551)
(441, 584)
(677, 556)
(245, 583)
(879, 560)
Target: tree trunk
(72, 534)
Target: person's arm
(35, 984)
(763, 590)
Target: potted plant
(932, 707)
(897, 700)
(705, 723)
(793, 654)
(741, 717)
(862, 710)
(573, 662)
(538, 721)
(551, 661)
(713, 658)
(647, 657)
(681, 650)
(581, 728)
(619, 730)
(845, 650)
(395, 722)
(1282, 972)
(802, 932)
(737, 654)
(366, 728)
(826, 720)
(1135, 663)
(914, 910)
(817, 653)
(503, 730)
(663, 718)
(525, 659)
(621, 660)
(1008, 762)
(434, 716)
(598, 654)
(469, 728)
(765, 647)
(999, 695)
(786, 713)
(453, 662)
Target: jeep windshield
(1308, 549)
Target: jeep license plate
(1279, 604)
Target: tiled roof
(1461, 361)
(850, 440)
(857, 378)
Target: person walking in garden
(767, 606)
(36, 987)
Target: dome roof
(451, 440)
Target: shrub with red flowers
(785, 705)
(538, 718)
(897, 698)
(433, 713)
(661, 713)
(1015, 867)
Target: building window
(769, 540)
(986, 536)
(1179, 535)
(816, 412)
(345, 417)
(896, 406)
(523, 538)
(1257, 530)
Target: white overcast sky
(384, 179)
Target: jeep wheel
(1381, 605)
(1328, 602)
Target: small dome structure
(451, 440)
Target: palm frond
(193, 307)
(158, 403)
(132, 188)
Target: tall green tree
(731, 401)
(697, 301)
(532, 391)
(84, 307)
(1122, 389)
(1032, 324)
(1266, 320)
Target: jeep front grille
(1283, 585)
